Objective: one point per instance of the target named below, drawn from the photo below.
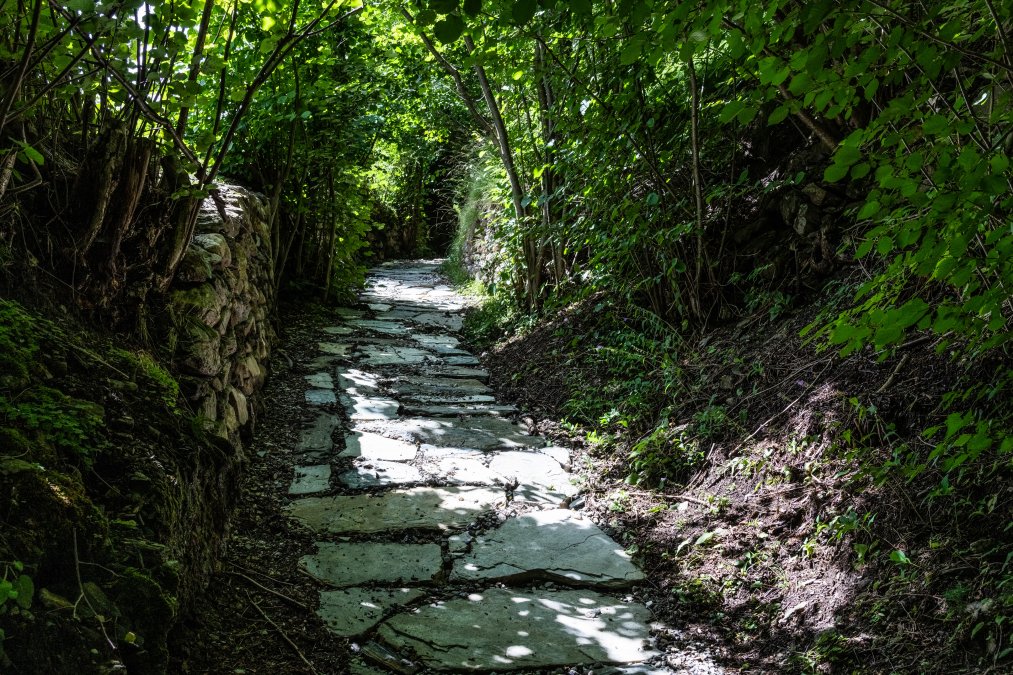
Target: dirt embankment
(763, 519)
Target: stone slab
(339, 349)
(377, 326)
(453, 322)
(380, 355)
(462, 372)
(379, 307)
(361, 382)
(320, 397)
(421, 508)
(415, 385)
(316, 438)
(377, 473)
(310, 479)
(429, 410)
(538, 477)
(506, 629)
(376, 447)
(321, 380)
(436, 340)
(461, 360)
(477, 433)
(369, 407)
(558, 545)
(447, 399)
(337, 330)
(460, 468)
(349, 612)
(352, 564)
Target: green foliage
(53, 418)
(18, 343)
(665, 454)
(144, 365)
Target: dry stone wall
(220, 310)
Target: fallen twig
(283, 634)
(272, 592)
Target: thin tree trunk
(697, 186)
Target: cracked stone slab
(376, 447)
(377, 473)
(436, 340)
(476, 433)
(539, 478)
(416, 385)
(337, 330)
(316, 438)
(558, 545)
(320, 397)
(426, 410)
(378, 326)
(321, 380)
(505, 629)
(447, 399)
(463, 372)
(453, 322)
(379, 355)
(465, 360)
(369, 407)
(353, 611)
(421, 508)
(352, 564)
(310, 479)
(340, 349)
(358, 382)
(460, 468)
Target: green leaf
(472, 7)
(869, 210)
(523, 11)
(448, 29)
(443, 6)
(31, 153)
(653, 199)
(834, 173)
(581, 7)
(631, 52)
(26, 591)
(779, 115)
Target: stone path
(443, 533)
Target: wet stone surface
(443, 514)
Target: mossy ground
(94, 449)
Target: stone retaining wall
(221, 307)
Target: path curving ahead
(442, 530)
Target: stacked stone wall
(220, 309)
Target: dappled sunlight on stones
(430, 455)
(375, 447)
(504, 629)
(377, 473)
(558, 545)
(353, 611)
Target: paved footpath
(443, 533)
